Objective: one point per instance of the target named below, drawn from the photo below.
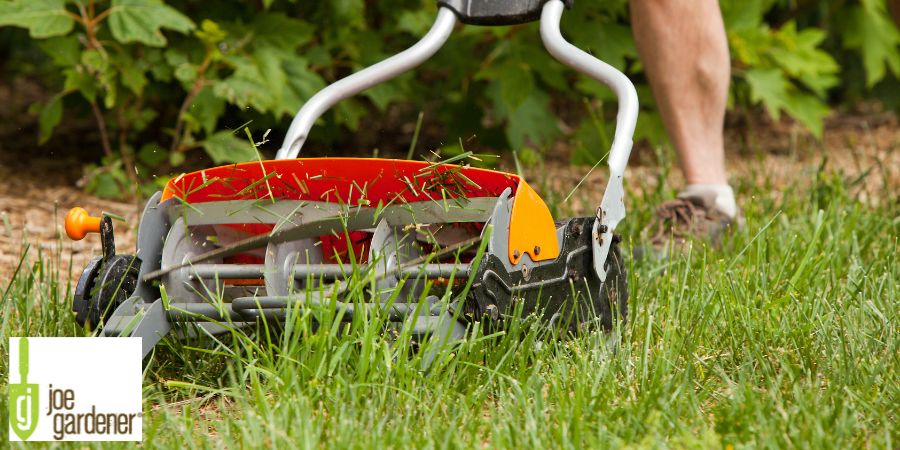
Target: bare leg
(684, 49)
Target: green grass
(786, 337)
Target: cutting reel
(234, 245)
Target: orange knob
(79, 223)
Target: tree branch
(101, 124)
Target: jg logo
(23, 398)
(59, 396)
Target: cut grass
(787, 337)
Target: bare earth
(35, 196)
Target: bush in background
(164, 80)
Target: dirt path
(35, 197)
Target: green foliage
(142, 20)
(784, 69)
(171, 75)
(224, 147)
(42, 18)
(868, 30)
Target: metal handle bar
(360, 81)
(392, 67)
(583, 62)
(612, 207)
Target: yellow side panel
(531, 227)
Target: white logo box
(90, 377)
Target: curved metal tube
(360, 81)
(612, 207)
(583, 62)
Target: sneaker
(690, 216)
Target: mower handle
(364, 79)
(562, 50)
(612, 207)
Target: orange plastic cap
(79, 223)
(531, 227)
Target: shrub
(163, 79)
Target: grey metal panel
(289, 213)
(152, 231)
(135, 318)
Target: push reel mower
(234, 245)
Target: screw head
(537, 250)
(603, 228)
(576, 230)
(516, 254)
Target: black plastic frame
(497, 12)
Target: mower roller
(232, 246)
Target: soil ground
(35, 193)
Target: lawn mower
(235, 245)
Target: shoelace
(678, 218)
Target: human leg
(684, 50)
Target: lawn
(784, 337)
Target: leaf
(416, 22)
(776, 94)
(808, 110)
(50, 116)
(178, 61)
(268, 62)
(349, 113)
(245, 87)
(798, 54)
(95, 60)
(206, 110)
(650, 126)
(387, 93)
(64, 51)
(210, 33)
(516, 86)
(133, 78)
(348, 12)
(176, 159)
(531, 122)
(142, 21)
(742, 15)
(79, 80)
(303, 83)
(104, 185)
(281, 31)
(588, 144)
(152, 154)
(267, 81)
(105, 78)
(608, 40)
(869, 30)
(42, 18)
(513, 78)
(769, 87)
(225, 147)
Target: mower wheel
(104, 285)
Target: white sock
(725, 201)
